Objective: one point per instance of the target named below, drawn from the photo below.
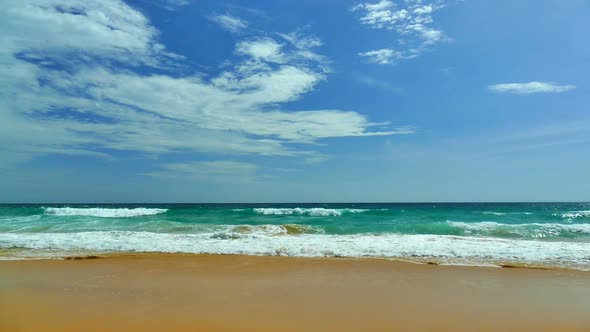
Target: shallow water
(548, 234)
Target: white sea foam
(316, 212)
(494, 213)
(454, 249)
(537, 230)
(20, 219)
(104, 212)
(576, 214)
(273, 229)
(246, 231)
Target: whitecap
(315, 212)
(576, 214)
(445, 248)
(494, 213)
(104, 212)
(534, 230)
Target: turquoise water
(554, 234)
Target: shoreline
(154, 292)
(505, 264)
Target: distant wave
(576, 214)
(530, 230)
(104, 212)
(315, 212)
(505, 213)
(494, 213)
(443, 248)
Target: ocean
(488, 234)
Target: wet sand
(157, 292)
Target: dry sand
(157, 292)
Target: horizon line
(258, 203)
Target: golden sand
(158, 292)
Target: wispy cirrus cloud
(383, 85)
(80, 77)
(229, 22)
(412, 22)
(175, 4)
(386, 56)
(531, 88)
(209, 171)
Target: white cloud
(303, 46)
(404, 130)
(301, 41)
(424, 10)
(262, 49)
(410, 19)
(383, 56)
(531, 87)
(230, 23)
(62, 89)
(174, 4)
(44, 30)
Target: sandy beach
(157, 292)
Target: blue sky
(297, 101)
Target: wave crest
(254, 231)
(314, 212)
(532, 230)
(444, 248)
(494, 213)
(576, 214)
(104, 212)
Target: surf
(103, 212)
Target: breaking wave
(104, 212)
(315, 212)
(494, 213)
(576, 214)
(442, 248)
(531, 230)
